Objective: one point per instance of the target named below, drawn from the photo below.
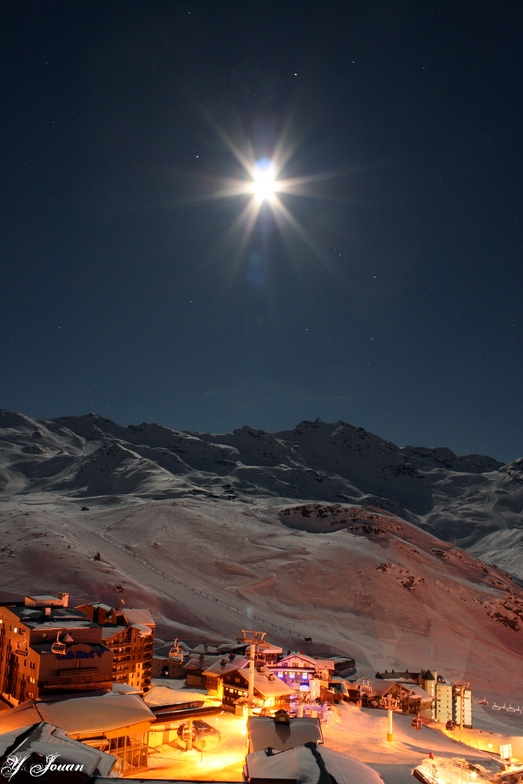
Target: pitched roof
(137, 616)
(46, 739)
(264, 732)
(80, 714)
(85, 714)
(228, 665)
(267, 684)
(417, 691)
(200, 663)
(309, 764)
(375, 686)
(308, 661)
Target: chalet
(114, 723)
(213, 676)
(269, 692)
(398, 676)
(432, 696)
(267, 653)
(374, 690)
(195, 666)
(408, 696)
(343, 664)
(304, 673)
(344, 690)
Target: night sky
(386, 292)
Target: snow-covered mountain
(467, 499)
(325, 532)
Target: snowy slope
(325, 531)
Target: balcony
(86, 679)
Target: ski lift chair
(176, 653)
(57, 646)
(21, 648)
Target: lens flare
(264, 187)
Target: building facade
(48, 648)
(129, 634)
(269, 692)
(304, 674)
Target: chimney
(65, 599)
(47, 612)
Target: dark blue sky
(400, 310)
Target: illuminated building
(130, 635)
(49, 648)
(304, 673)
(269, 692)
(117, 724)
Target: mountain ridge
(467, 499)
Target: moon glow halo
(264, 180)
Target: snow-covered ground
(359, 733)
(393, 597)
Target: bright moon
(264, 185)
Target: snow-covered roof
(125, 688)
(101, 605)
(417, 691)
(59, 618)
(23, 715)
(78, 715)
(267, 684)
(7, 739)
(103, 713)
(375, 686)
(306, 661)
(200, 663)
(302, 764)
(229, 665)
(265, 732)
(143, 630)
(109, 631)
(137, 616)
(46, 739)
